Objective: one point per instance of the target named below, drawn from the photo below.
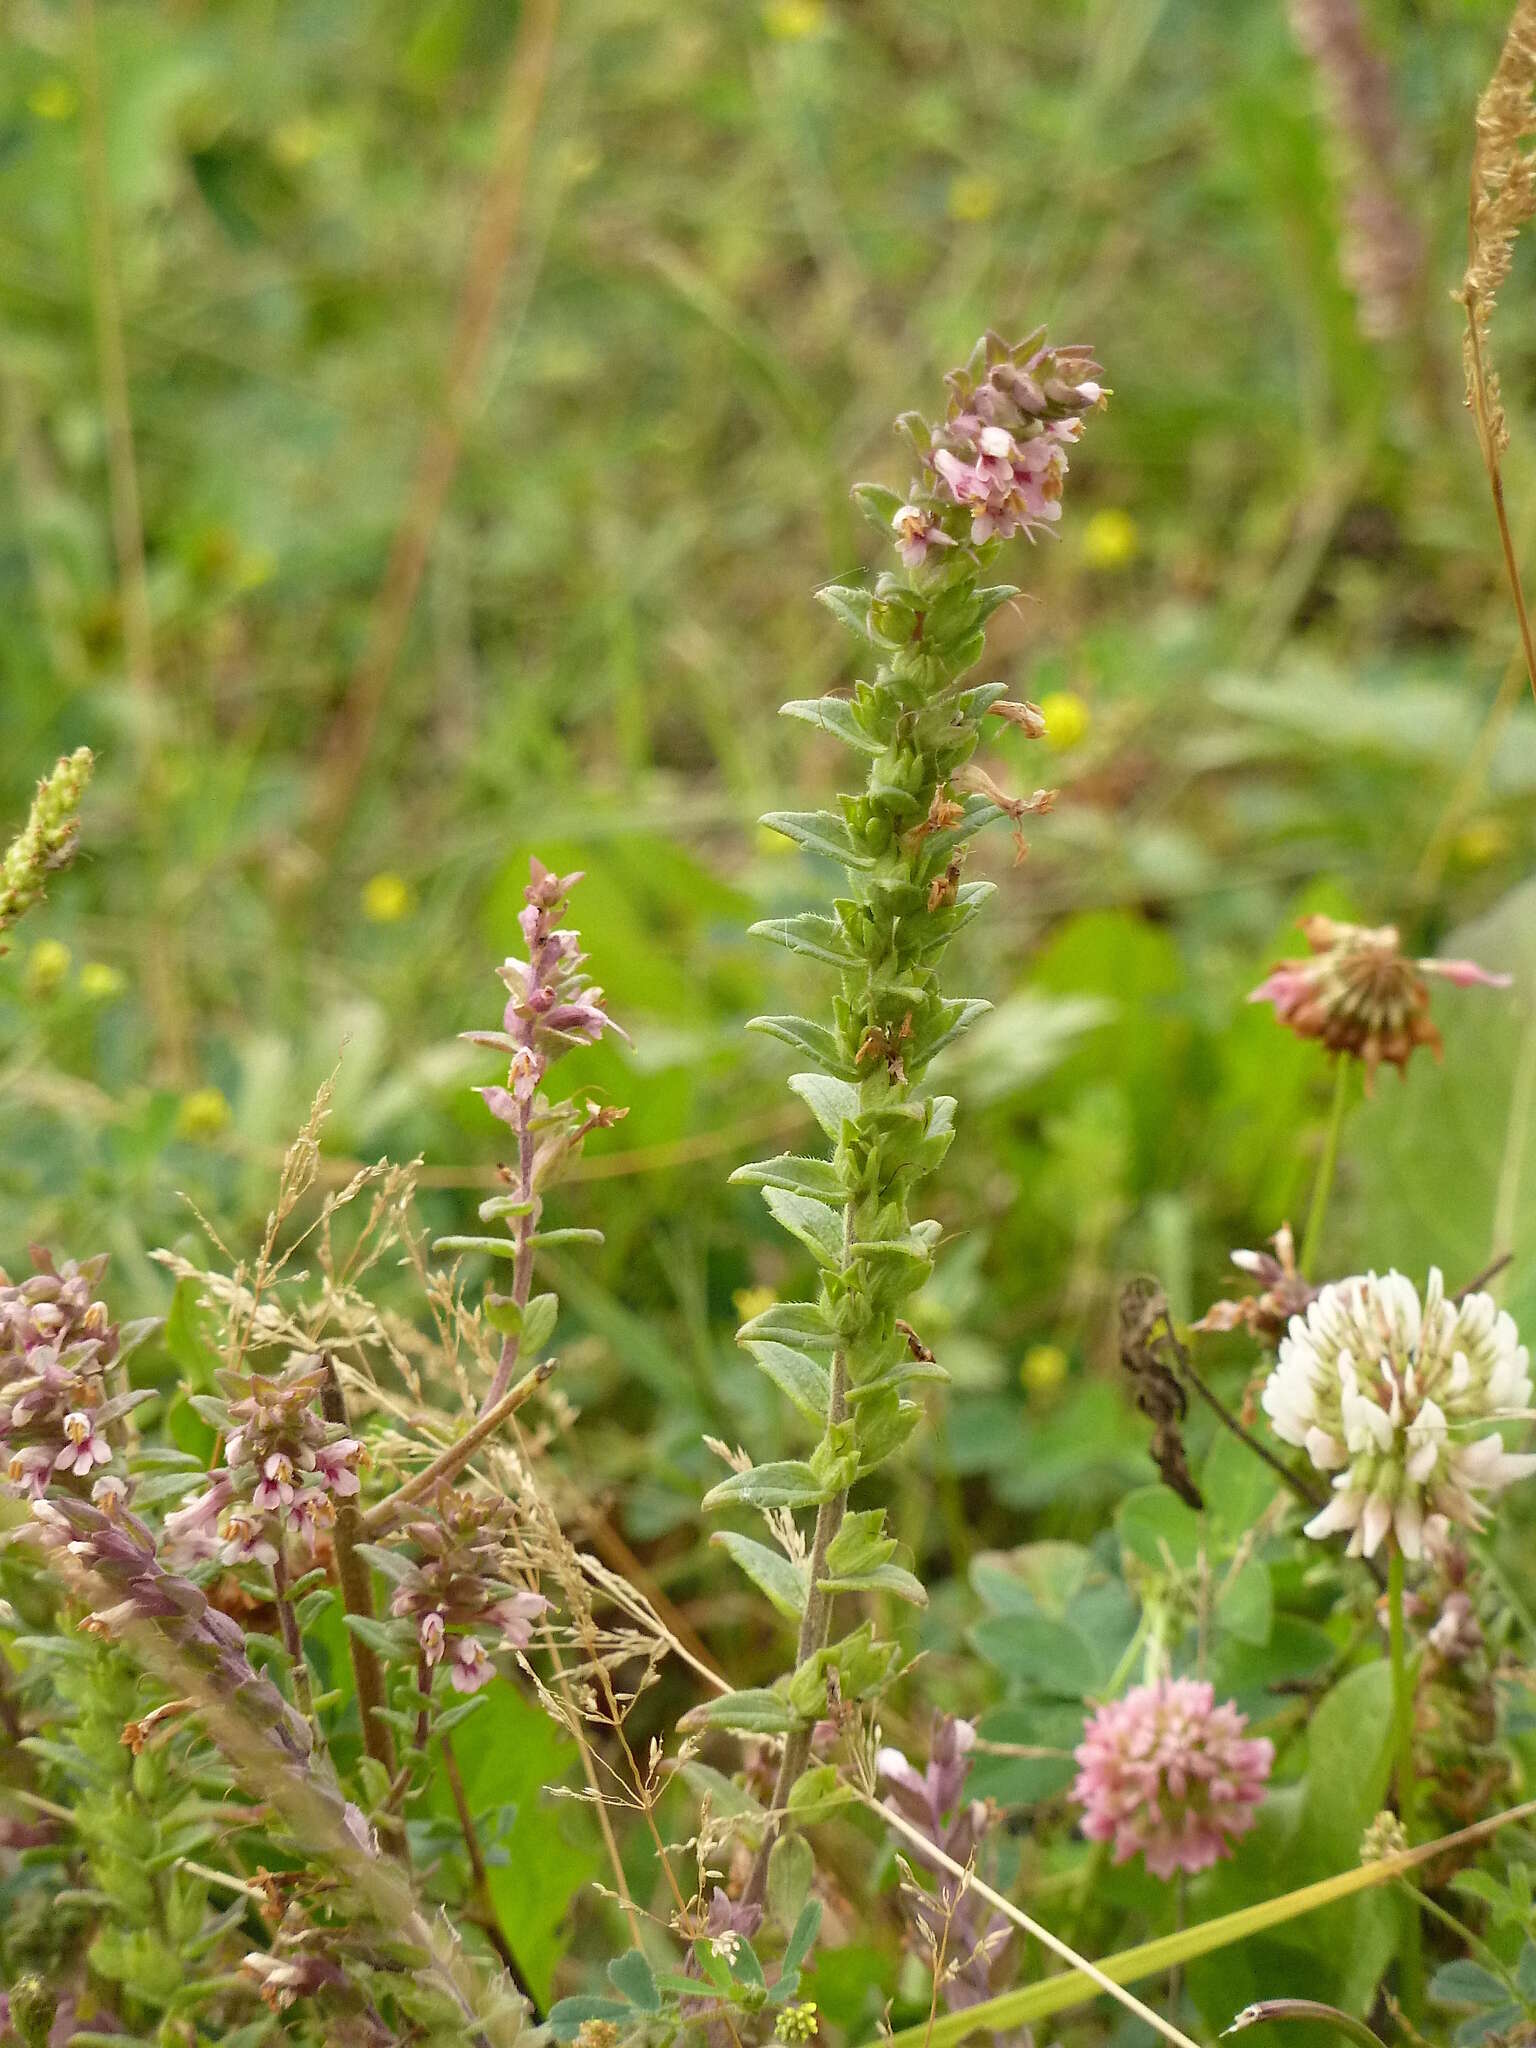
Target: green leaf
(539, 1322)
(565, 1236)
(727, 1800)
(834, 715)
(884, 1578)
(386, 1638)
(754, 1712)
(803, 1937)
(815, 1040)
(791, 1867)
(817, 1226)
(1159, 1529)
(1440, 1166)
(770, 1571)
(798, 1323)
(786, 1483)
(1464, 1982)
(803, 1380)
(569, 2015)
(832, 1103)
(1245, 1605)
(1349, 1739)
(631, 1975)
(492, 1247)
(850, 605)
(1036, 1651)
(808, 932)
(815, 1177)
(186, 1339)
(817, 1793)
(820, 832)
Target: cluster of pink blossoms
(996, 466)
(57, 1344)
(285, 1467)
(461, 1585)
(550, 1004)
(1168, 1773)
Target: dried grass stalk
(1501, 200)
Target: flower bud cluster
(285, 1467)
(996, 465)
(1384, 1394)
(1361, 995)
(47, 840)
(57, 1343)
(460, 1587)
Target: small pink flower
(245, 1538)
(86, 1447)
(310, 1514)
(429, 1634)
(469, 1665)
(277, 1489)
(193, 1527)
(28, 1470)
(335, 1466)
(916, 532)
(110, 1494)
(515, 1618)
(1166, 1772)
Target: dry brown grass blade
(1502, 198)
(350, 739)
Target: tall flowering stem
(992, 469)
(550, 1008)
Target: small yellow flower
(101, 982)
(386, 898)
(298, 141)
(54, 99)
(47, 965)
(973, 197)
(1044, 1368)
(752, 1301)
(254, 567)
(1111, 539)
(202, 1114)
(1066, 717)
(1480, 842)
(791, 21)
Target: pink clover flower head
(469, 1665)
(1384, 1394)
(84, 1446)
(1359, 994)
(1168, 1774)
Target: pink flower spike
(1166, 1773)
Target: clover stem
(1322, 1186)
(1402, 1745)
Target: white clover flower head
(1385, 1394)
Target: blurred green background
(590, 315)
